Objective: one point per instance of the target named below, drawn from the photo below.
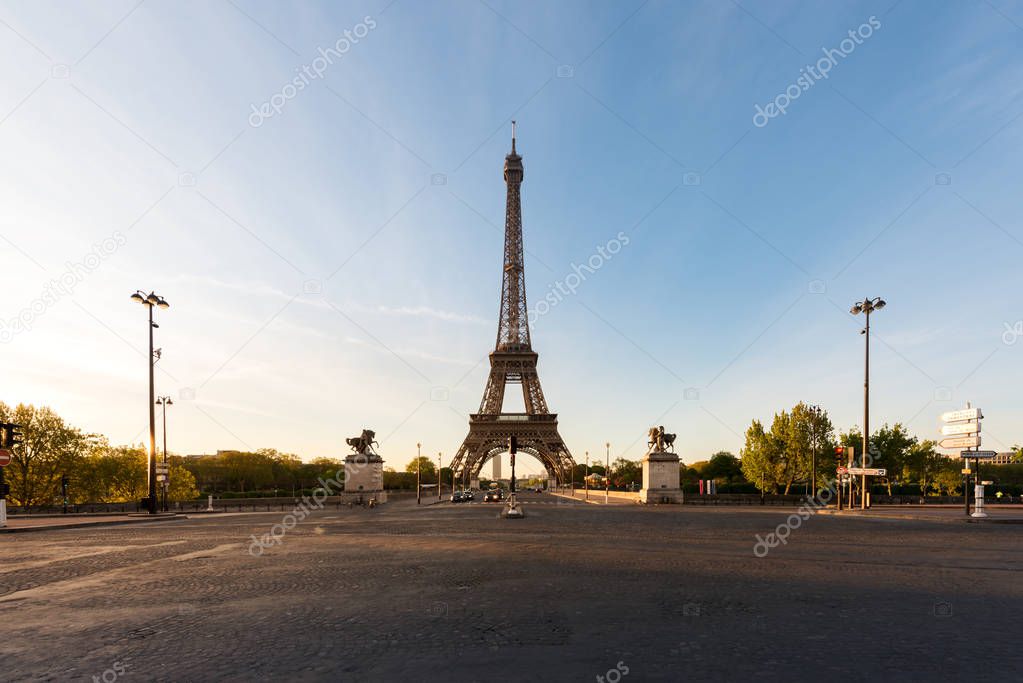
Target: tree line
(779, 458)
(775, 459)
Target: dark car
(492, 497)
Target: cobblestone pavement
(572, 592)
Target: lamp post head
(137, 296)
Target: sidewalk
(23, 523)
(997, 514)
(596, 497)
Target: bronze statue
(659, 441)
(363, 444)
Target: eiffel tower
(513, 361)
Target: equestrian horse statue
(659, 441)
(363, 444)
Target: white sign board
(960, 442)
(965, 428)
(871, 471)
(960, 415)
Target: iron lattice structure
(513, 361)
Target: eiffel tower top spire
(513, 324)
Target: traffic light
(12, 435)
(844, 454)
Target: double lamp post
(150, 301)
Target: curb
(83, 525)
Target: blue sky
(338, 266)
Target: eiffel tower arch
(513, 361)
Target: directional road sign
(960, 442)
(964, 428)
(961, 415)
(983, 455)
(871, 471)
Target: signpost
(5, 457)
(963, 428)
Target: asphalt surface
(572, 592)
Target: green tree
(429, 471)
(948, 480)
(888, 448)
(182, 484)
(922, 463)
(50, 449)
(625, 473)
(722, 466)
(761, 456)
(809, 434)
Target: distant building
(497, 468)
(1002, 458)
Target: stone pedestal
(660, 479)
(364, 473)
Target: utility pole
(419, 474)
(438, 477)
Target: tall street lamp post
(149, 301)
(586, 482)
(816, 413)
(165, 401)
(438, 477)
(866, 307)
(419, 473)
(607, 471)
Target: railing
(514, 417)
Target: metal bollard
(978, 502)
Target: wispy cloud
(428, 312)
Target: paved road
(453, 592)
